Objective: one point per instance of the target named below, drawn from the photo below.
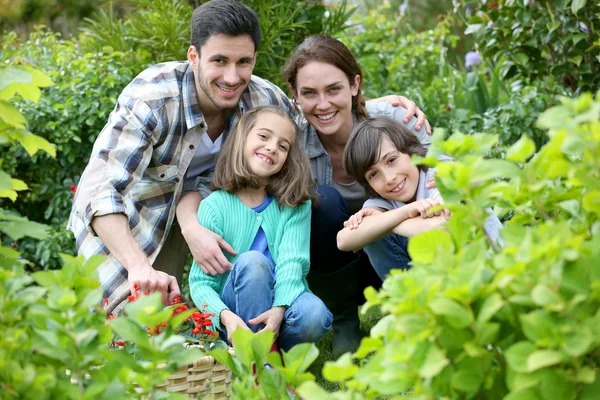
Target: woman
(325, 80)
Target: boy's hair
(291, 186)
(326, 49)
(362, 149)
(227, 17)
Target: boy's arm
(374, 227)
(413, 226)
(204, 244)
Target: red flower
(105, 301)
(120, 343)
(208, 322)
(131, 298)
(209, 333)
(13, 245)
(73, 188)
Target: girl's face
(393, 177)
(268, 144)
(325, 97)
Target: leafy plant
(473, 318)
(541, 40)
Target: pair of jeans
(249, 291)
(389, 252)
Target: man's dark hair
(227, 17)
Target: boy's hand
(271, 318)
(355, 220)
(423, 208)
(232, 322)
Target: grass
(367, 321)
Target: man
(162, 139)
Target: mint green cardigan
(288, 235)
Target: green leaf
(591, 201)
(518, 354)
(543, 358)
(521, 150)
(527, 394)
(340, 370)
(301, 356)
(11, 115)
(485, 170)
(424, 247)
(261, 345)
(578, 342)
(33, 143)
(544, 296)
(538, 326)
(18, 227)
(586, 375)
(489, 308)
(468, 377)
(242, 342)
(473, 28)
(434, 363)
(367, 346)
(311, 390)
(577, 5)
(456, 314)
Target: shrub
(543, 40)
(473, 319)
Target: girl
(262, 209)
(378, 156)
(326, 80)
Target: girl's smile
(268, 144)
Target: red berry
(13, 245)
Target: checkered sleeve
(121, 154)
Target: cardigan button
(258, 218)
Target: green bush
(395, 60)
(159, 30)
(474, 319)
(545, 40)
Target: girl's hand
(271, 318)
(232, 322)
(423, 208)
(355, 220)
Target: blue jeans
(250, 289)
(389, 252)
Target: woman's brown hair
(323, 48)
(362, 148)
(291, 186)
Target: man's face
(223, 68)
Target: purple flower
(583, 27)
(472, 58)
(403, 7)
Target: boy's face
(393, 177)
(223, 68)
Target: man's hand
(205, 246)
(271, 318)
(355, 220)
(411, 110)
(146, 279)
(231, 322)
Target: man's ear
(355, 85)
(193, 56)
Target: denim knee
(252, 265)
(307, 320)
(389, 252)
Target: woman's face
(325, 97)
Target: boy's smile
(393, 176)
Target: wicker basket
(205, 378)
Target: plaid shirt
(139, 161)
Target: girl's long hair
(291, 186)
(324, 48)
